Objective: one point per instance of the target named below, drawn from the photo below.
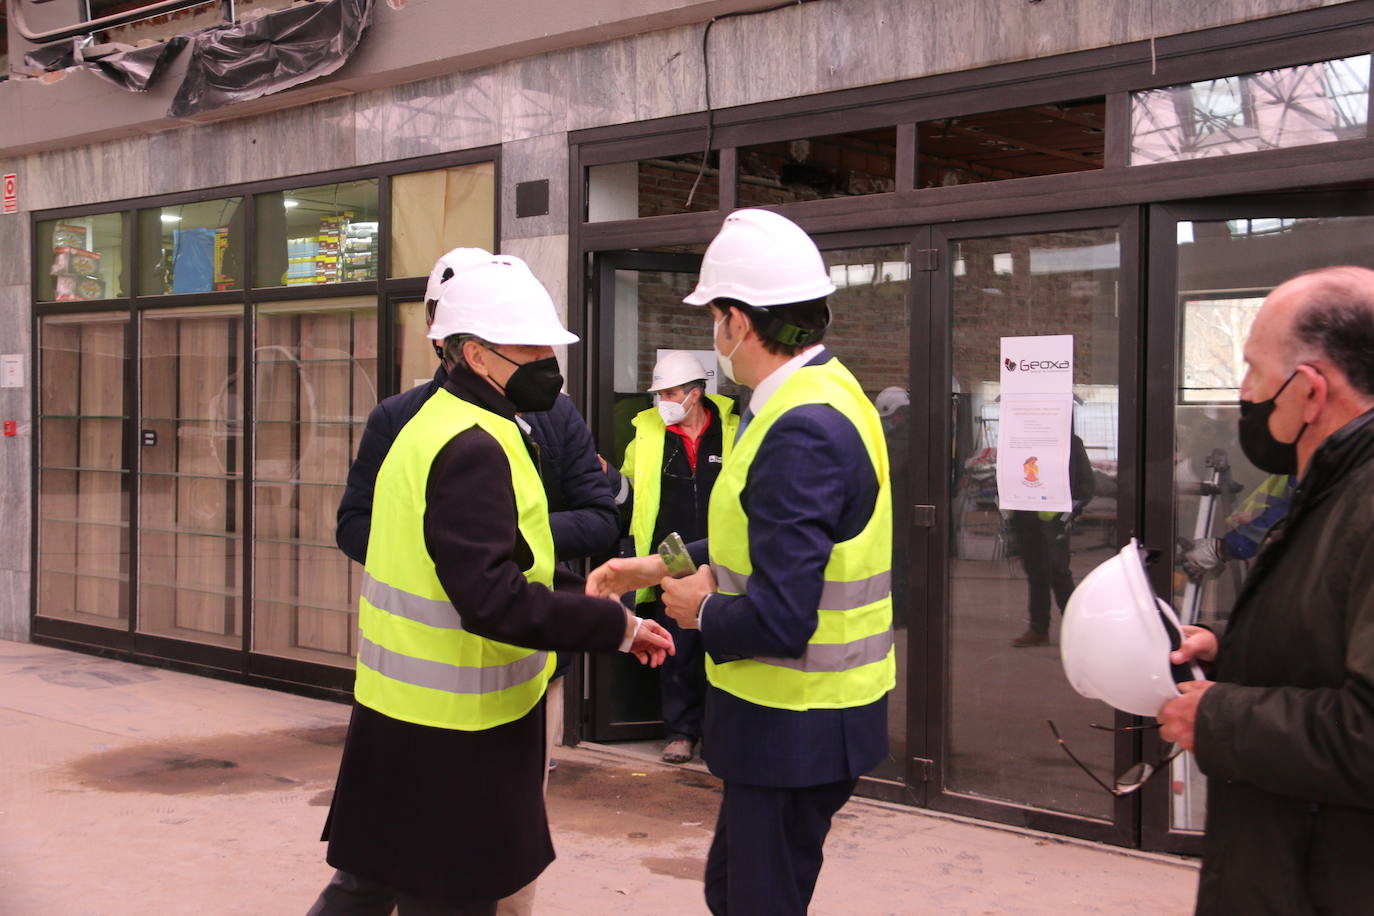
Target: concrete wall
(527, 104)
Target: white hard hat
(763, 259)
(676, 367)
(450, 264)
(500, 301)
(1117, 636)
(889, 399)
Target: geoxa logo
(1036, 365)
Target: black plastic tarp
(271, 53)
(136, 68)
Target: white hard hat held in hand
(1117, 636)
(761, 258)
(500, 301)
(448, 265)
(676, 367)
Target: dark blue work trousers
(682, 688)
(767, 850)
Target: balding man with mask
(1284, 727)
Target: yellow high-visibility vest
(849, 660)
(643, 465)
(416, 663)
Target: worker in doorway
(794, 608)
(439, 805)
(669, 469)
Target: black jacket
(582, 509)
(1286, 736)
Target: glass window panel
(314, 236)
(1225, 269)
(653, 187)
(838, 165)
(191, 248)
(415, 358)
(1015, 143)
(871, 336)
(83, 471)
(434, 212)
(316, 382)
(1009, 570)
(190, 548)
(1294, 106)
(80, 257)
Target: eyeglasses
(1135, 776)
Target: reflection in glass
(191, 248)
(314, 236)
(1008, 571)
(315, 367)
(434, 212)
(190, 546)
(1014, 143)
(1225, 270)
(80, 258)
(1294, 106)
(83, 469)
(653, 187)
(871, 335)
(839, 165)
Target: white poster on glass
(1035, 424)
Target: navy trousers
(682, 684)
(767, 850)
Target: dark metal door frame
(931, 388)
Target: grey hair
(453, 348)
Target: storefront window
(1015, 143)
(839, 165)
(433, 212)
(191, 248)
(315, 236)
(1294, 106)
(190, 547)
(316, 382)
(415, 359)
(80, 258)
(83, 469)
(1011, 572)
(1225, 270)
(653, 187)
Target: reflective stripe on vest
(643, 464)
(416, 661)
(849, 660)
(835, 596)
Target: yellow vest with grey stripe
(849, 660)
(415, 661)
(643, 465)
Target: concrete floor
(133, 790)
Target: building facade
(198, 312)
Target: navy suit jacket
(810, 486)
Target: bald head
(1328, 314)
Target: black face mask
(533, 386)
(1258, 443)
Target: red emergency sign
(10, 185)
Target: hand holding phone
(675, 556)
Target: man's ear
(1318, 393)
(476, 357)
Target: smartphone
(675, 556)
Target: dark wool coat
(1286, 736)
(447, 815)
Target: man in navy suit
(795, 606)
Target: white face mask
(672, 412)
(726, 364)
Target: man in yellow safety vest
(439, 805)
(795, 606)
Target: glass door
(996, 578)
(1212, 264)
